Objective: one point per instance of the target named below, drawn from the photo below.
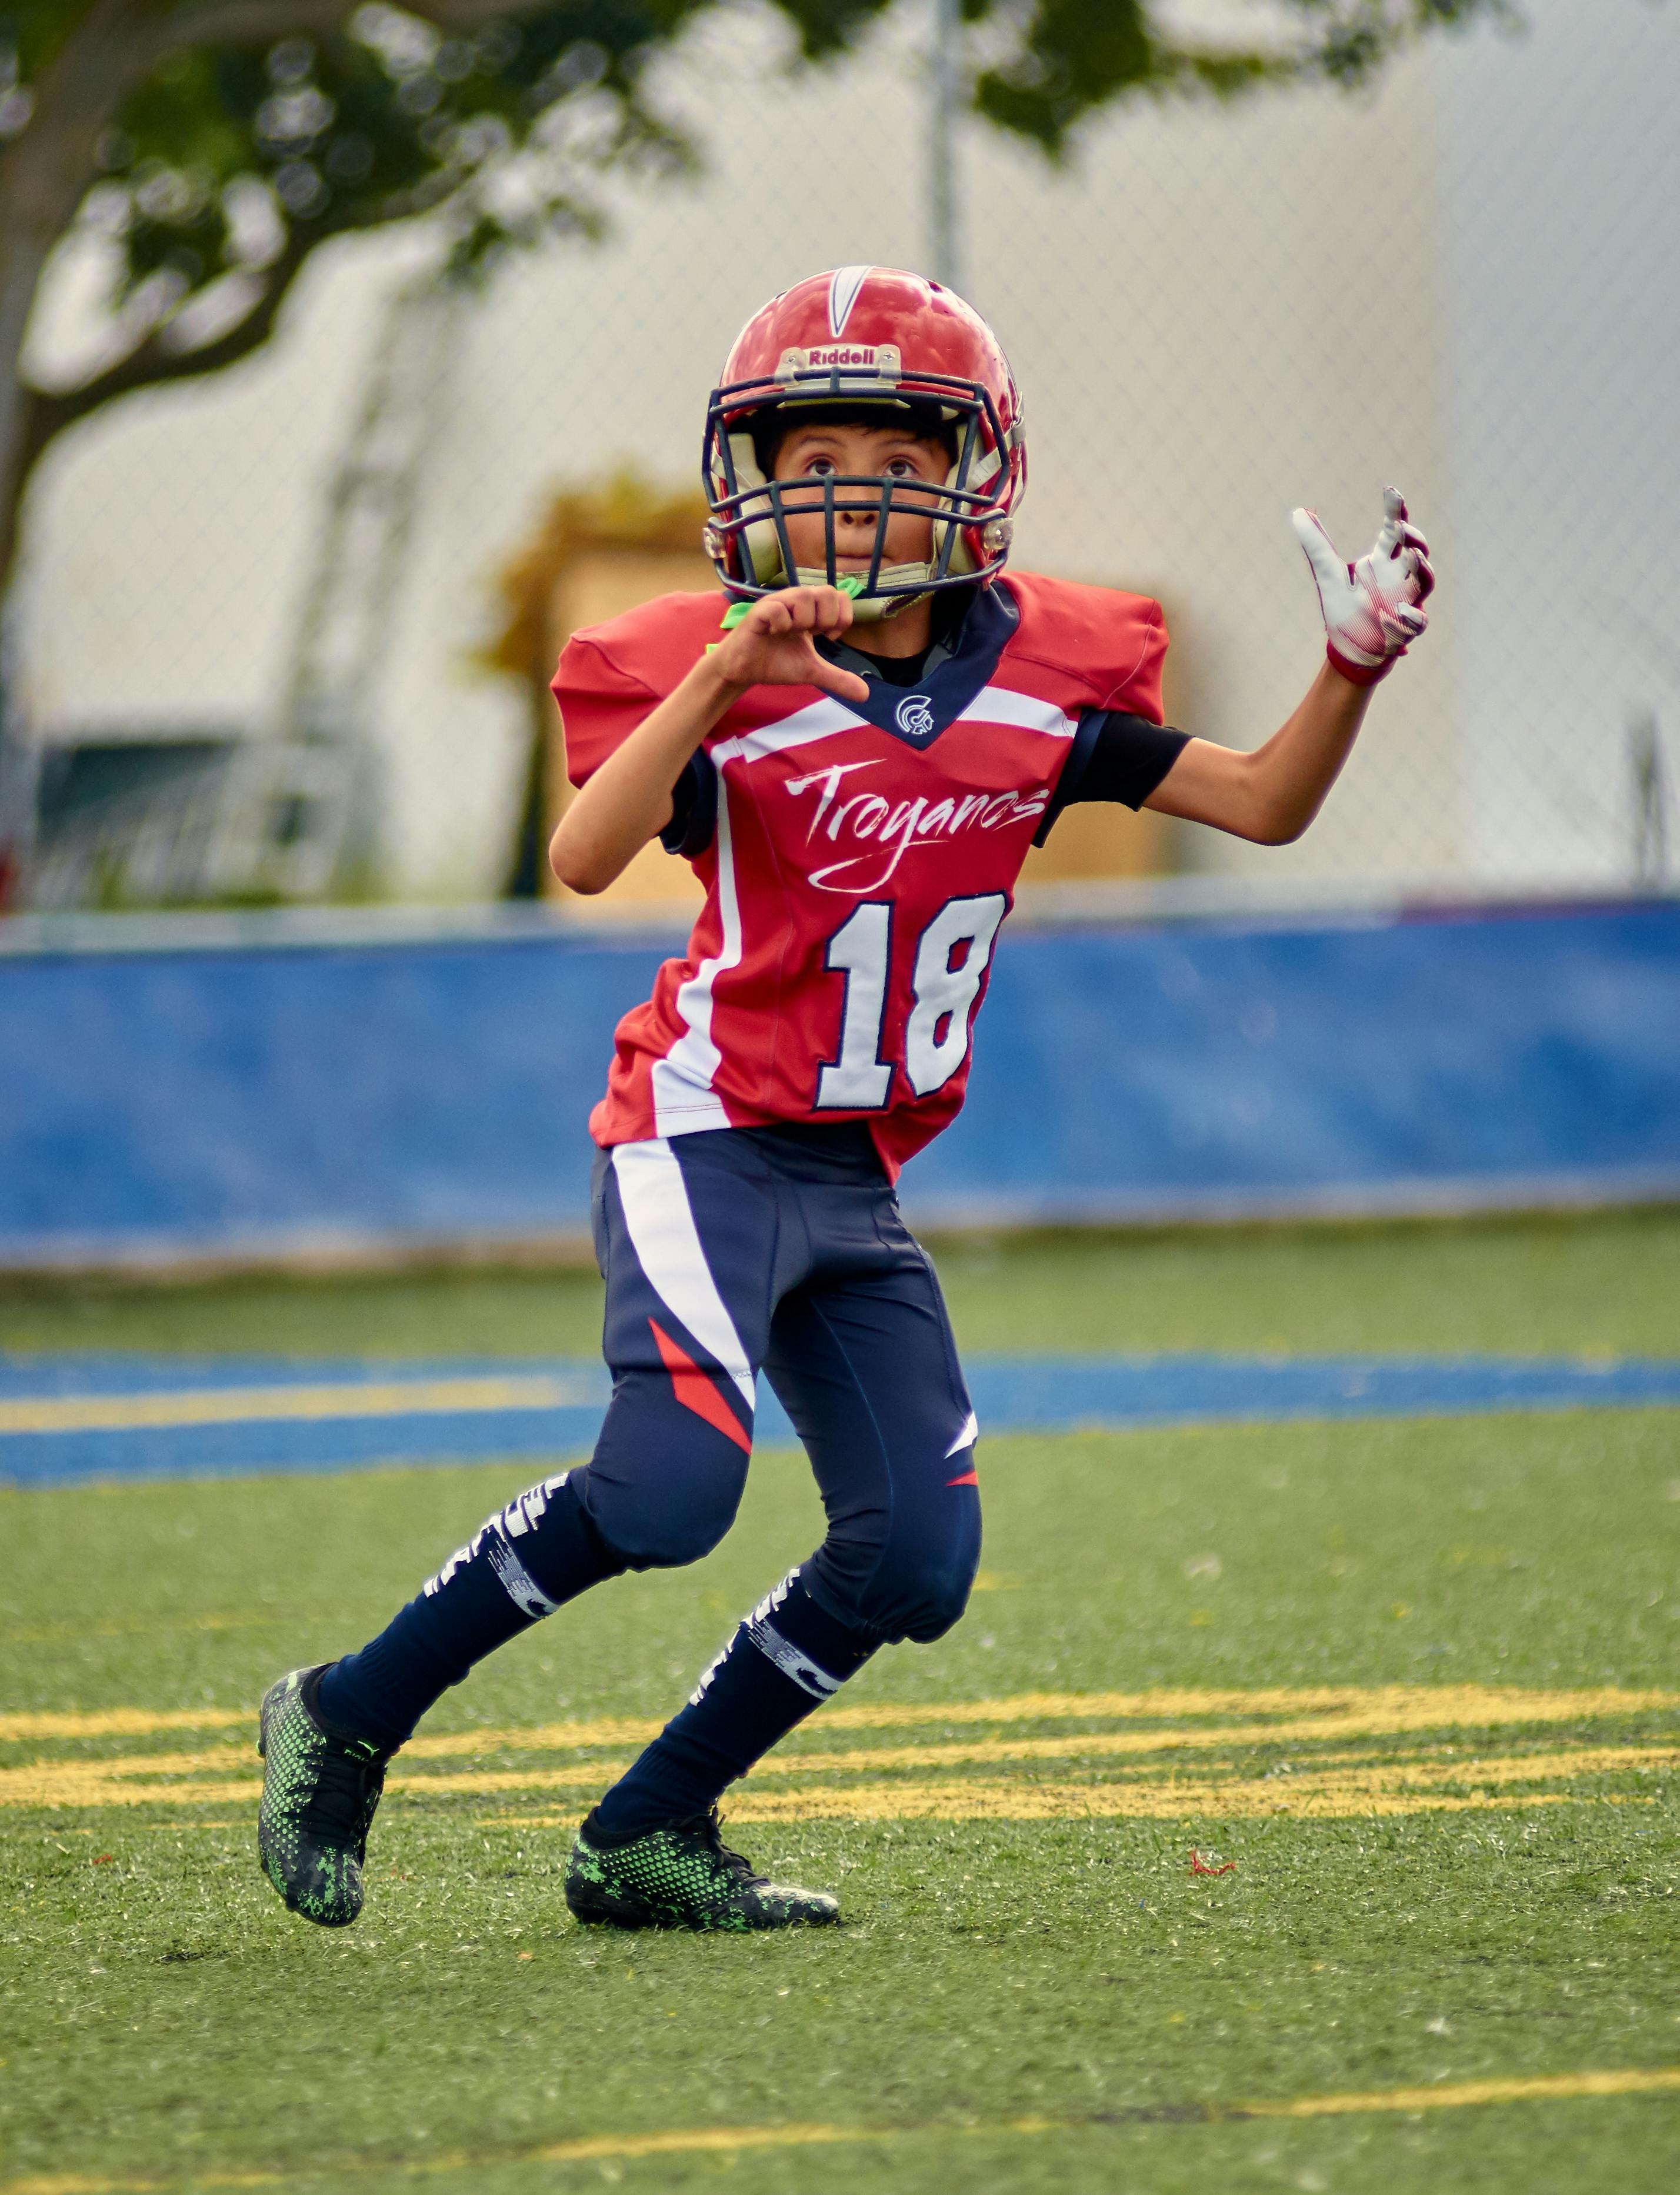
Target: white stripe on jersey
(1001, 705)
(818, 722)
(683, 1097)
(661, 1221)
(683, 1101)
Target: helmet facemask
(748, 537)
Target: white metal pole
(943, 243)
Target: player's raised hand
(1372, 610)
(775, 643)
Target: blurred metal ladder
(306, 805)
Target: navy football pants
(737, 1249)
(724, 1252)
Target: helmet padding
(771, 426)
(754, 454)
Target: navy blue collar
(918, 714)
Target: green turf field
(1608, 1282)
(1417, 1682)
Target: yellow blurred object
(599, 552)
(1100, 840)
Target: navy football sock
(521, 1565)
(786, 1659)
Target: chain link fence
(282, 634)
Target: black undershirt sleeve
(1114, 757)
(694, 807)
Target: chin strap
(870, 610)
(866, 609)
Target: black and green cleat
(684, 1876)
(320, 1792)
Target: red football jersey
(863, 857)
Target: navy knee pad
(660, 1520)
(924, 1589)
(936, 1600)
(911, 1578)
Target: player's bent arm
(1270, 795)
(627, 801)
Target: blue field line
(69, 1419)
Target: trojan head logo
(914, 717)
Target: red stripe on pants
(695, 1391)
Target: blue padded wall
(260, 1097)
(1405, 1064)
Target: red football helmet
(866, 340)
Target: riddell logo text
(833, 354)
(889, 829)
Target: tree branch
(153, 363)
(44, 168)
(258, 22)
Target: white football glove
(1373, 610)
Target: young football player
(855, 758)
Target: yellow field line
(1446, 1703)
(1544, 2089)
(239, 1406)
(962, 1802)
(125, 1781)
(1044, 1808)
(123, 1722)
(1510, 1768)
(50, 1793)
(1095, 1745)
(1097, 1802)
(588, 2149)
(1323, 1712)
(1482, 1768)
(1409, 1788)
(1380, 1711)
(1398, 1713)
(1493, 1768)
(133, 1780)
(1384, 1708)
(19, 1787)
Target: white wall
(1561, 269)
(1463, 284)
